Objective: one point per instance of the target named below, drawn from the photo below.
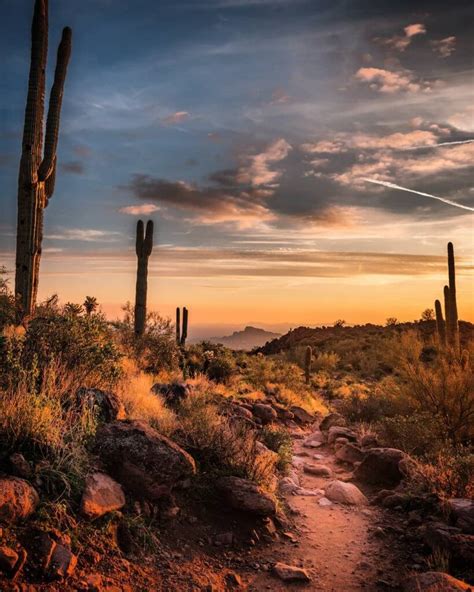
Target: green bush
(279, 440)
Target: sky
(264, 138)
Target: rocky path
(343, 548)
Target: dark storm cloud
(74, 167)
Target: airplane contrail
(436, 145)
(393, 186)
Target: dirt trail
(342, 547)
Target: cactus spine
(440, 324)
(144, 246)
(307, 364)
(37, 172)
(181, 332)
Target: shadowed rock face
(382, 466)
(434, 581)
(244, 495)
(146, 463)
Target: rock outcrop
(382, 466)
(247, 496)
(101, 495)
(143, 461)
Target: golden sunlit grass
(140, 402)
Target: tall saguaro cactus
(144, 246)
(37, 173)
(453, 333)
(181, 332)
(307, 364)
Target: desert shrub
(156, 350)
(443, 387)
(279, 440)
(420, 433)
(39, 422)
(7, 302)
(450, 473)
(81, 345)
(219, 365)
(373, 405)
(325, 361)
(219, 446)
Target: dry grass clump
(42, 423)
(141, 403)
(221, 447)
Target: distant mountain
(247, 339)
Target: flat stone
(291, 573)
(101, 495)
(317, 470)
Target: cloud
(139, 210)
(395, 141)
(85, 234)
(401, 42)
(238, 196)
(174, 118)
(74, 167)
(208, 204)
(257, 170)
(82, 151)
(444, 47)
(387, 81)
(280, 97)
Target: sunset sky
(247, 130)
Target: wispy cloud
(177, 117)
(139, 210)
(85, 234)
(401, 42)
(444, 47)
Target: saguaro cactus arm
(440, 324)
(55, 104)
(184, 332)
(453, 336)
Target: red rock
(18, 499)
(101, 495)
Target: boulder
(283, 413)
(174, 393)
(382, 466)
(349, 453)
(8, 559)
(462, 512)
(50, 553)
(18, 499)
(265, 413)
(291, 573)
(435, 581)
(101, 495)
(240, 411)
(107, 404)
(369, 441)
(143, 461)
(242, 494)
(345, 493)
(333, 419)
(462, 547)
(317, 470)
(336, 432)
(19, 466)
(301, 415)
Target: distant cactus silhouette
(440, 324)
(144, 246)
(453, 327)
(307, 364)
(37, 173)
(181, 332)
